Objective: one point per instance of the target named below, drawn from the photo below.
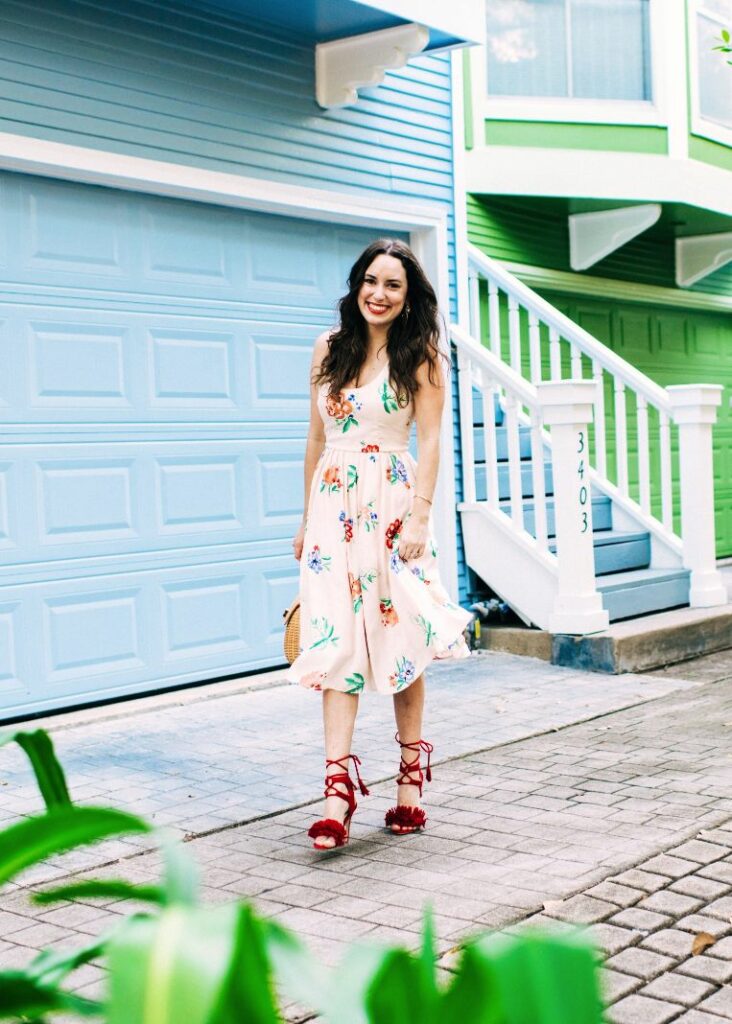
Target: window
(583, 49)
(714, 74)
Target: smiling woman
(374, 612)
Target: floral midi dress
(368, 619)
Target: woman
(373, 610)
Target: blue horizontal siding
(178, 83)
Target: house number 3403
(583, 493)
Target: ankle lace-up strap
(343, 777)
(414, 766)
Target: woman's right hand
(298, 542)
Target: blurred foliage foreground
(180, 962)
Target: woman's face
(383, 292)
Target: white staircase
(588, 489)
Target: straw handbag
(291, 640)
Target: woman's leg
(339, 718)
(408, 708)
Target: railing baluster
(555, 355)
(514, 462)
(621, 437)
(576, 362)
(599, 422)
(537, 475)
(514, 334)
(667, 510)
(644, 468)
(465, 393)
(494, 318)
(534, 348)
(489, 438)
(474, 293)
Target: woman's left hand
(413, 538)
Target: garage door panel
(85, 501)
(117, 367)
(77, 235)
(133, 632)
(64, 232)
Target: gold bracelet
(423, 498)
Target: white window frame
(701, 125)
(581, 111)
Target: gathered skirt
(368, 619)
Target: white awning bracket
(593, 236)
(700, 255)
(345, 65)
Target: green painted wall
(670, 345)
(556, 135)
(535, 232)
(710, 152)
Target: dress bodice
(368, 418)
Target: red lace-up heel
(329, 827)
(406, 818)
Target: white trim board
(610, 288)
(427, 224)
(597, 174)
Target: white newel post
(695, 412)
(567, 408)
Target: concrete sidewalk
(551, 782)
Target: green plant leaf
(471, 995)
(248, 994)
(181, 872)
(725, 35)
(201, 965)
(51, 966)
(25, 998)
(50, 777)
(338, 996)
(103, 889)
(59, 830)
(540, 979)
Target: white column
(695, 412)
(567, 410)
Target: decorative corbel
(700, 255)
(593, 236)
(345, 65)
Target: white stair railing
(555, 591)
(540, 343)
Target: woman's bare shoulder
(320, 348)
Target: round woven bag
(291, 639)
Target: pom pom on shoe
(406, 818)
(331, 829)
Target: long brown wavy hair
(411, 339)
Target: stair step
(641, 591)
(501, 443)
(478, 408)
(602, 514)
(618, 551)
(504, 490)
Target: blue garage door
(153, 394)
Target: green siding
(671, 347)
(535, 232)
(556, 135)
(709, 152)
(468, 102)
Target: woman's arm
(316, 438)
(429, 403)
